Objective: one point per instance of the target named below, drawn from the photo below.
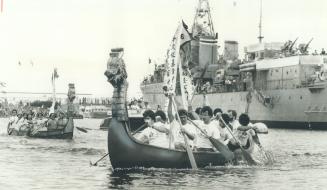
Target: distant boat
(96, 112)
(36, 128)
(42, 132)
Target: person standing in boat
(152, 131)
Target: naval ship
(276, 83)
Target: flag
(3, 84)
(185, 35)
(54, 74)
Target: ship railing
(267, 101)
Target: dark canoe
(65, 133)
(127, 152)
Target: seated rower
(245, 135)
(233, 119)
(13, 118)
(61, 121)
(225, 134)
(161, 125)
(51, 124)
(152, 131)
(208, 127)
(188, 129)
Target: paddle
(188, 149)
(246, 155)
(223, 149)
(81, 129)
(138, 129)
(96, 163)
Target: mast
(260, 37)
(202, 25)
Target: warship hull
(298, 108)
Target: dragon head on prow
(117, 75)
(116, 71)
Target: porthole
(289, 97)
(301, 97)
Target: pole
(188, 149)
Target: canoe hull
(65, 133)
(127, 152)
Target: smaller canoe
(39, 131)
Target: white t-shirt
(155, 137)
(177, 134)
(210, 129)
(161, 139)
(235, 124)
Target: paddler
(152, 131)
(61, 121)
(245, 137)
(52, 123)
(207, 126)
(177, 131)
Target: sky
(76, 36)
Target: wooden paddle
(188, 149)
(223, 149)
(96, 163)
(246, 155)
(81, 129)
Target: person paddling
(245, 137)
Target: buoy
(261, 128)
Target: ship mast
(202, 25)
(260, 37)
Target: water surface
(27, 163)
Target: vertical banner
(172, 61)
(187, 88)
(175, 58)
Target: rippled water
(26, 163)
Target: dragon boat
(38, 129)
(127, 152)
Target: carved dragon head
(116, 71)
(71, 92)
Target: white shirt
(210, 129)
(235, 124)
(177, 134)
(155, 137)
(161, 139)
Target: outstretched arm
(190, 110)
